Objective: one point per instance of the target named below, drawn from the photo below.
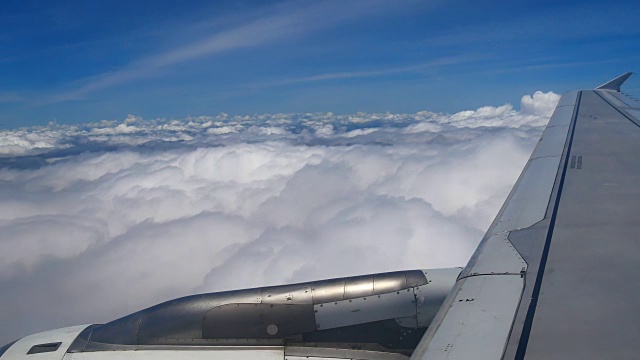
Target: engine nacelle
(382, 313)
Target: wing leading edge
(555, 277)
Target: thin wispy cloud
(535, 65)
(278, 23)
(442, 62)
(600, 21)
(88, 62)
(11, 97)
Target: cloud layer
(102, 219)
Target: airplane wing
(557, 274)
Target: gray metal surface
(528, 204)
(615, 83)
(480, 314)
(562, 115)
(588, 300)
(496, 256)
(219, 353)
(567, 99)
(392, 305)
(552, 141)
(430, 296)
(578, 295)
(625, 99)
(297, 352)
(329, 311)
(615, 99)
(185, 318)
(257, 321)
(635, 113)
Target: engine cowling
(381, 313)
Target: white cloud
(102, 219)
(540, 103)
(22, 142)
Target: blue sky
(82, 61)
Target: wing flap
(480, 303)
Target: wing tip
(615, 83)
